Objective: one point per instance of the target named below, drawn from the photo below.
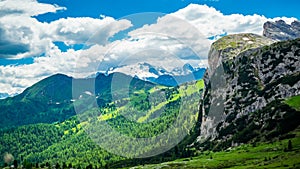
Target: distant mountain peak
(160, 75)
(280, 30)
(188, 67)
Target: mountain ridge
(280, 30)
(251, 95)
(53, 98)
(159, 75)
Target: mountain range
(244, 112)
(160, 75)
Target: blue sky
(39, 38)
(121, 8)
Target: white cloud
(14, 79)
(175, 39)
(26, 7)
(190, 28)
(196, 22)
(39, 37)
(81, 29)
(156, 49)
(211, 22)
(24, 36)
(19, 31)
(24, 31)
(185, 36)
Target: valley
(237, 116)
(158, 84)
(68, 142)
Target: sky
(121, 8)
(79, 38)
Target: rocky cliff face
(280, 30)
(248, 79)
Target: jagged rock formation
(249, 76)
(280, 30)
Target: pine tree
(57, 166)
(290, 147)
(15, 164)
(47, 164)
(64, 165)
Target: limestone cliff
(249, 78)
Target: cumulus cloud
(18, 30)
(15, 78)
(10, 48)
(212, 22)
(21, 36)
(26, 7)
(176, 36)
(24, 36)
(195, 24)
(33, 37)
(156, 49)
(176, 39)
(81, 29)
(75, 63)
(187, 34)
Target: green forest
(65, 144)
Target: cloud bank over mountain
(174, 40)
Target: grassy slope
(294, 102)
(262, 155)
(183, 91)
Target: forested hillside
(67, 142)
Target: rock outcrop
(281, 31)
(248, 74)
